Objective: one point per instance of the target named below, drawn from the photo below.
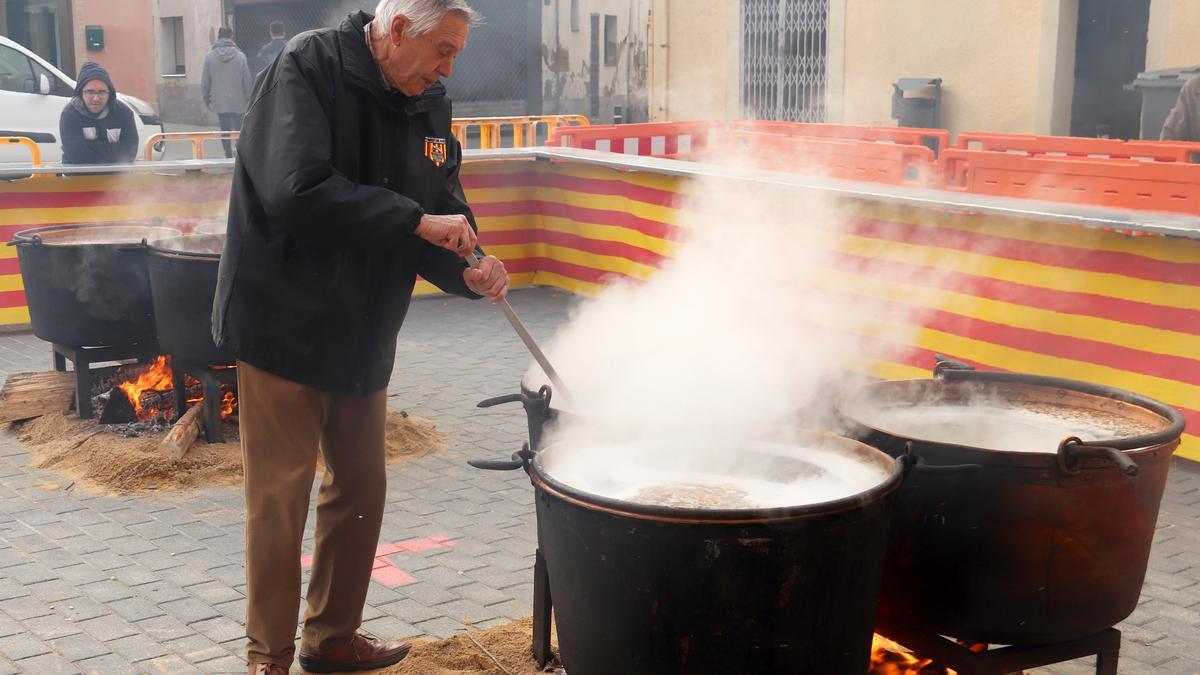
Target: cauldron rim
(1132, 445)
(162, 249)
(542, 480)
(36, 235)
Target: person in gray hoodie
(226, 84)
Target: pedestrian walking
(268, 52)
(226, 84)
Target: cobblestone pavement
(156, 583)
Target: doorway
(39, 25)
(1110, 50)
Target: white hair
(424, 14)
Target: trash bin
(917, 102)
(1160, 91)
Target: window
(173, 62)
(33, 24)
(57, 86)
(15, 73)
(610, 39)
(574, 16)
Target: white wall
(566, 59)
(179, 96)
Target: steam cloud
(740, 331)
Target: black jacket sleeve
(76, 149)
(286, 149)
(126, 149)
(440, 267)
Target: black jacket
(108, 138)
(333, 173)
(267, 53)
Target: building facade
(1007, 66)
(596, 59)
(588, 57)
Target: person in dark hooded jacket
(226, 84)
(345, 188)
(95, 127)
(267, 53)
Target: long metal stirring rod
(538, 355)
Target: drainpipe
(554, 59)
(661, 20)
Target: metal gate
(783, 59)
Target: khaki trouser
(283, 424)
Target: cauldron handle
(915, 462)
(35, 239)
(519, 460)
(945, 363)
(1073, 449)
(539, 405)
(500, 400)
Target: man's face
(414, 64)
(95, 95)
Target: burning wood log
(29, 395)
(181, 436)
(115, 408)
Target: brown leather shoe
(267, 669)
(358, 653)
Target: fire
(890, 658)
(156, 378)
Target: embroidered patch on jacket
(435, 150)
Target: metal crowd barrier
(34, 151)
(196, 138)
(524, 131)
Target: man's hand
(489, 280)
(452, 233)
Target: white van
(33, 94)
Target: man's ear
(400, 26)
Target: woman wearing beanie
(95, 127)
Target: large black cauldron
(640, 588)
(85, 287)
(1018, 545)
(183, 281)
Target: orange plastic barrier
(651, 140)
(895, 164)
(1120, 183)
(934, 138)
(1071, 146)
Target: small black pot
(85, 286)
(183, 282)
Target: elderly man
(345, 189)
(95, 127)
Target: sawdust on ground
(510, 643)
(90, 456)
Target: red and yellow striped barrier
(52, 200)
(1000, 291)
